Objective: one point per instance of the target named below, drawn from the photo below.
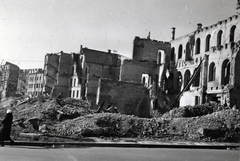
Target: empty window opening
(196, 82)
(197, 100)
(187, 77)
(219, 38)
(207, 47)
(172, 55)
(161, 57)
(143, 81)
(212, 72)
(180, 51)
(225, 72)
(198, 46)
(232, 33)
(188, 52)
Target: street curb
(186, 145)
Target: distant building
(8, 79)
(35, 82)
(22, 81)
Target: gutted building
(57, 73)
(8, 79)
(204, 64)
(96, 65)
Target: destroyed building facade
(204, 64)
(197, 68)
(8, 79)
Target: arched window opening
(172, 55)
(180, 51)
(198, 46)
(232, 33)
(186, 79)
(212, 72)
(188, 52)
(219, 38)
(207, 47)
(179, 84)
(225, 72)
(196, 82)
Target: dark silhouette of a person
(6, 128)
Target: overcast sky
(31, 28)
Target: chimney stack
(173, 33)
(199, 26)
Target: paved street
(31, 153)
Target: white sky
(31, 28)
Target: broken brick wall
(129, 98)
(132, 70)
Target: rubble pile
(108, 124)
(218, 126)
(190, 111)
(74, 119)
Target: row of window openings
(74, 94)
(35, 85)
(36, 78)
(33, 93)
(74, 82)
(198, 44)
(212, 75)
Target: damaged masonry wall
(96, 65)
(129, 98)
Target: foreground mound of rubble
(73, 119)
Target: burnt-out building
(57, 73)
(204, 64)
(96, 65)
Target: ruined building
(197, 68)
(8, 79)
(204, 64)
(35, 82)
(57, 73)
(30, 81)
(131, 93)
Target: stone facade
(215, 49)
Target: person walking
(6, 128)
